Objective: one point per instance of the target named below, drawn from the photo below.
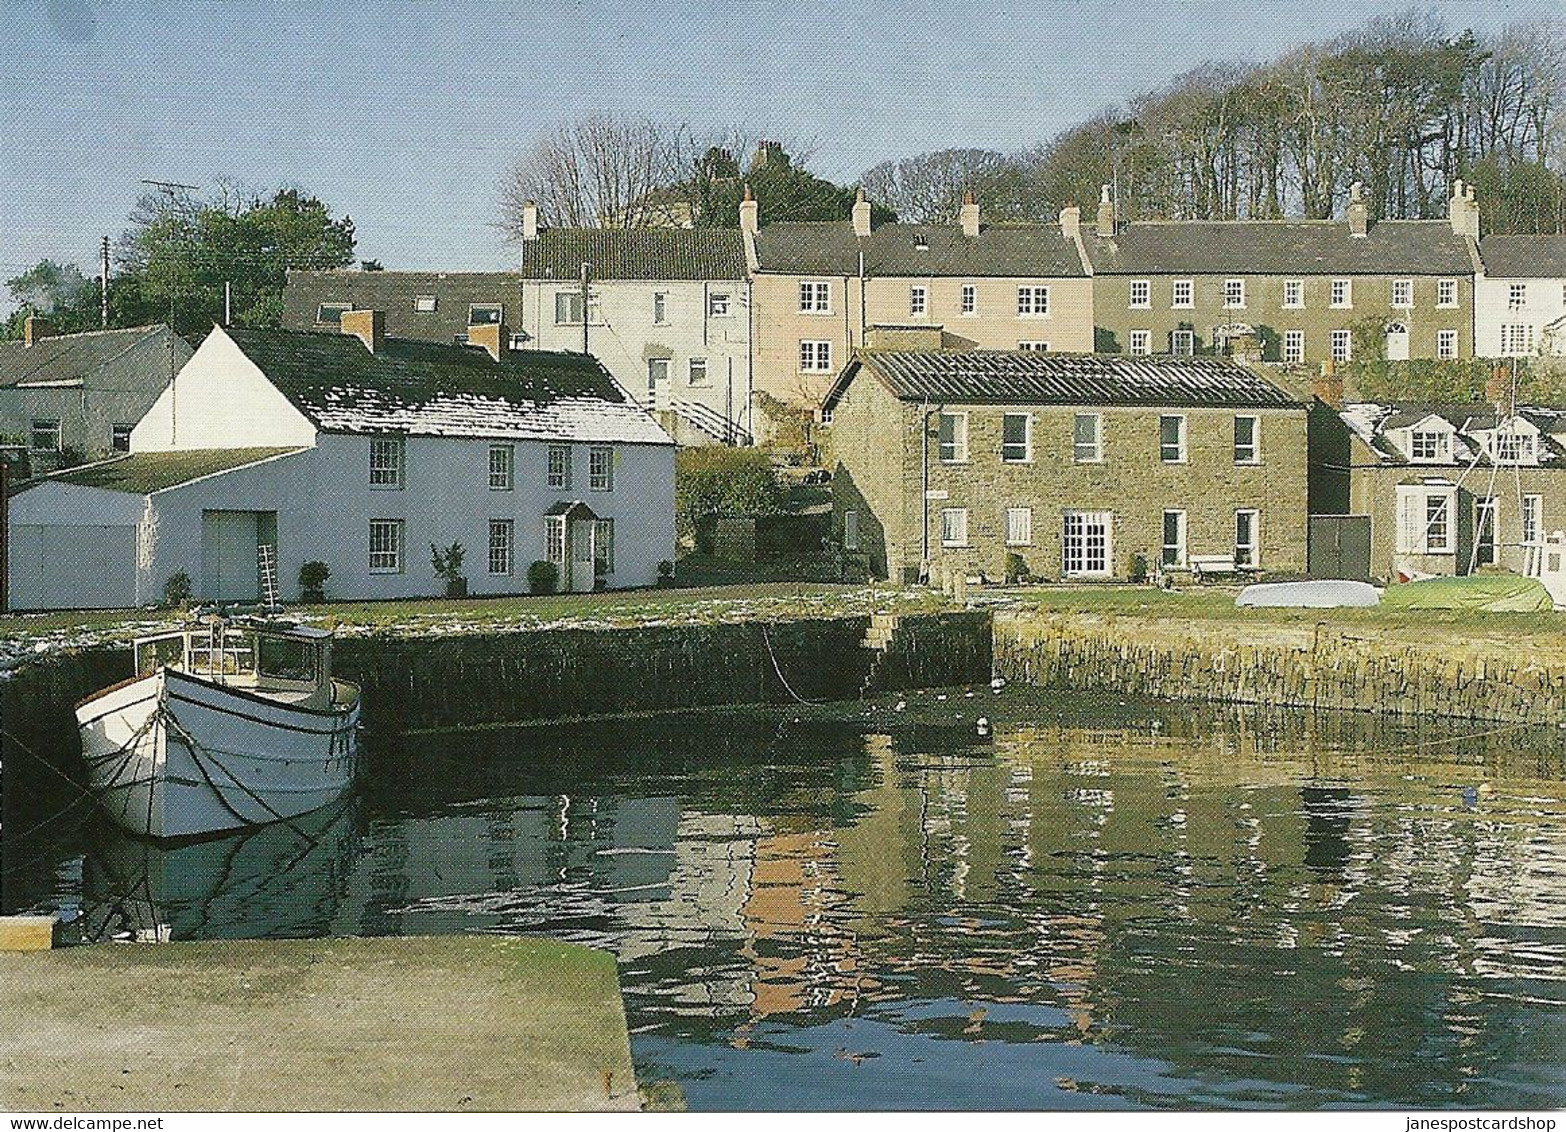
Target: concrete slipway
(461, 1023)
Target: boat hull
(171, 756)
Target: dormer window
(485, 314)
(1507, 447)
(331, 314)
(1429, 446)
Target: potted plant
(542, 577)
(448, 567)
(312, 581)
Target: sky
(405, 114)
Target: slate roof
(1276, 247)
(891, 250)
(1371, 422)
(142, 473)
(150, 353)
(1524, 257)
(636, 253)
(428, 389)
(1006, 377)
(394, 292)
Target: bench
(1204, 566)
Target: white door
(228, 549)
(1397, 342)
(657, 383)
(583, 552)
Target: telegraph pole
(103, 288)
(586, 267)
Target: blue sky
(405, 114)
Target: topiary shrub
(543, 577)
(312, 581)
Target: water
(1121, 906)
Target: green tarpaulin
(1480, 593)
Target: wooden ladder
(266, 555)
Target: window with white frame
(1171, 439)
(1446, 292)
(851, 529)
(1509, 447)
(1246, 537)
(1182, 343)
(501, 460)
(1342, 292)
(1032, 302)
(1294, 294)
(386, 461)
(568, 308)
(815, 357)
(119, 437)
(1085, 544)
(558, 475)
(1182, 294)
(1247, 440)
(424, 304)
(45, 435)
(1446, 343)
(1516, 339)
(1424, 524)
(1516, 296)
(696, 372)
(1174, 539)
(720, 304)
(918, 300)
(603, 543)
(815, 297)
(954, 526)
(385, 546)
(1294, 345)
(1234, 294)
(1342, 346)
(970, 298)
(1019, 526)
(500, 546)
(952, 437)
(1087, 438)
(555, 538)
(1141, 294)
(1402, 292)
(1429, 446)
(486, 314)
(1533, 518)
(1033, 346)
(1016, 438)
(600, 468)
(1139, 342)
(660, 308)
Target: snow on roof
(584, 419)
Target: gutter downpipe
(924, 491)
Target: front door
(657, 382)
(583, 555)
(1484, 532)
(1397, 342)
(228, 550)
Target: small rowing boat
(227, 724)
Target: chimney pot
(861, 214)
(1071, 222)
(1106, 213)
(1462, 211)
(530, 220)
(970, 216)
(368, 326)
(34, 328)
(749, 212)
(1358, 211)
(1328, 386)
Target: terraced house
(1520, 297)
(1299, 291)
(823, 289)
(1084, 466)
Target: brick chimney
(749, 212)
(494, 338)
(861, 215)
(1462, 211)
(1358, 211)
(1328, 386)
(970, 216)
(530, 220)
(367, 326)
(34, 328)
(1106, 212)
(1071, 222)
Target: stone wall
(1283, 666)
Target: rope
(197, 751)
(783, 679)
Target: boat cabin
(285, 662)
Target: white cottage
(362, 452)
(1520, 297)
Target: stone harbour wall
(1321, 667)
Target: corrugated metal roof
(1034, 251)
(1279, 247)
(426, 389)
(636, 253)
(1027, 378)
(1524, 257)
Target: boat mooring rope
(787, 687)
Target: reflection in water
(1138, 908)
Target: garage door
(228, 551)
(73, 567)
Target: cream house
(1520, 297)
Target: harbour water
(1102, 905)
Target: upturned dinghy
(227, 724)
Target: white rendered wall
(1545, 304)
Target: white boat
(228, 724)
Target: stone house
(1300, 291)
(1081, 465)
(1447, 489)
(360, 451)
(75, 397)
(1520, 297)
(822, 289)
